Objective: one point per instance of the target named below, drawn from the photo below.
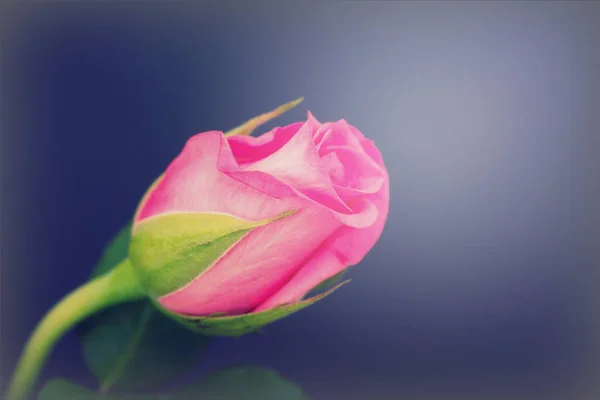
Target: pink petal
(289, 155)
(355, 131)
(364, 213)
(203, 179)
(298, 164)
(249, 149)
(353, 173)
(347, 246)
(324, 265)
(256, 267)
(352, 170)
(354, 244)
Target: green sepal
(327, 283)
(170, 250)
(238, 325)
(249, 126)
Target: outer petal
(256, 267)
(354, 244)
(347, 246)
(200, 180)
(318, 269)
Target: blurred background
(486, 113)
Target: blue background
(486, 114)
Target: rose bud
(236, 233)
(239, 229)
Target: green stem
(117, 286)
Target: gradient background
(487, 114)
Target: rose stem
(117, 286)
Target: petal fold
(202, 179)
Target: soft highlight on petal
(346, 246)
(199, 180)
(298, 164)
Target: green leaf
(114, 253)
(170, 250)
(237, 325)
(61, 389)
(134, 346)
(249, 126)
(238, 383)
(244, 383)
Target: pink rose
(329, 175)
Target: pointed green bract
(238, 325)
(249, 126)
(170, 250)
(327, 283)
